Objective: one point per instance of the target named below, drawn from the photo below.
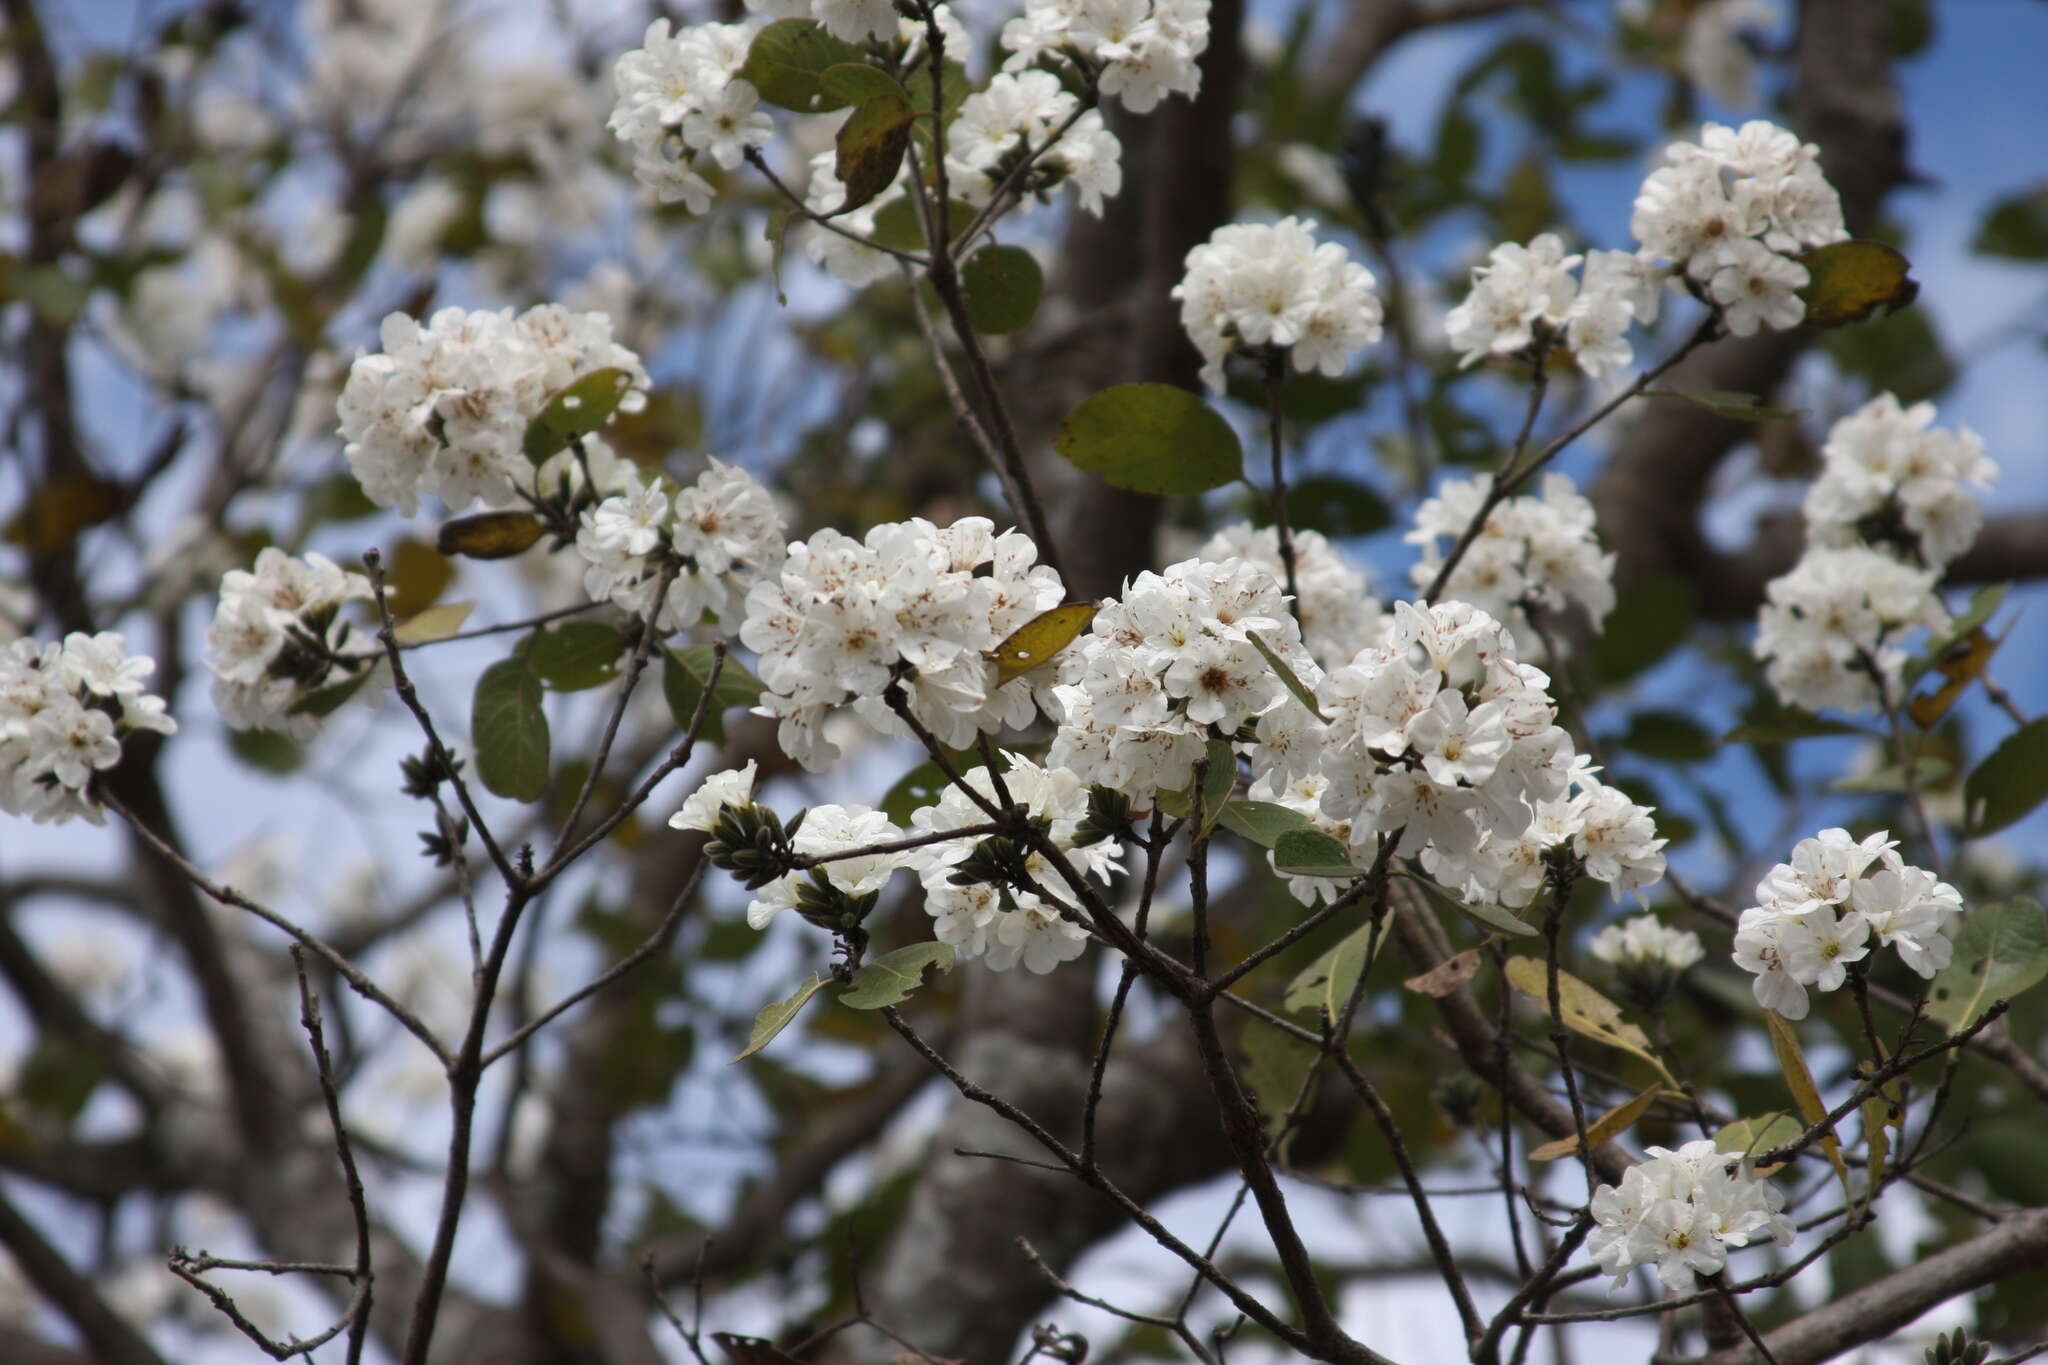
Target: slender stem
(524, 623)
(803, 210)
(1560, 896)
(638, 665)
(1276, 375)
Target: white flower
(1758, 288)
(733, 787)
(1839, 615)
(826, 831)
(1647, 940)
(64, 710)
(444, 408)
(1533, 550)
(1274, 285)
(278, 636)
(1338, 613)
(1680, 1211)
(1147, 48)
(1889, 468)
(1518, 288)
(679, 94)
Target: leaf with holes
(1582, 1009)
(576, 654)
(2001, 951)
(683, 675)
(575, 410)
(890, 978)
(1032, 645)
(1850, 281)
(776, 1017)
(509, 730)
(1151, 438)
(1453, 971)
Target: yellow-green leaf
(870, 146)
(857, 82)
(576, 654)
(1287, 676)
(1262, 822)
(897, 224)
(1312, 853)
(1325, 985)
(1602, 1130)
(787, 59)
(576, 409)
(1151, 438)
(1765, 1133)
(1453, 971)
(1033, 644)
(2001, 951)
(490, 535)
(417, 576)
(776, 1017)
(1805, 1094)
(435, 623)
(1583, 1010)
(1850, 281)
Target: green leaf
(890, 978)
(58, 1076)
(1790, 726)
(1492, 916)
(776, 1017)
(1740, 407)
(1850, 281)
(1324, 985)
(1670, 736)
(1002, 285)
(576, 409)
(857, 82)
(576, 654)
(683, 675)
(2009, 783)
(1652, 617)
(1928, 771)
(896, 223)
(1312, 853)
(2016, 226)
(787, 61)
(327, 700)
(2001, 951)
(1262, 822)
(1275, 1065)
(509, 730)
(270, 751)
(1288, 678)
(1151, 438)
(870, 148)
(490, 535)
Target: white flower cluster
(732, 787)
(1836, 624)
(277, 637)
(1647, 941)
(1533, 550)
(1892, 478)
(679, 95)
(1818, 913)
(1524, 290)
(1731, 211)
(1172, 659)
(63, 710)
(1887, 514)
(1144, 49)
(997, 126)
(1715, 52)
(1611, 837)
(855, 21)
(444, 408)
(1257, 285)
(1336, 608)
(723, 533)
(1681, 1211)
(913, 602)
(1005, 925)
